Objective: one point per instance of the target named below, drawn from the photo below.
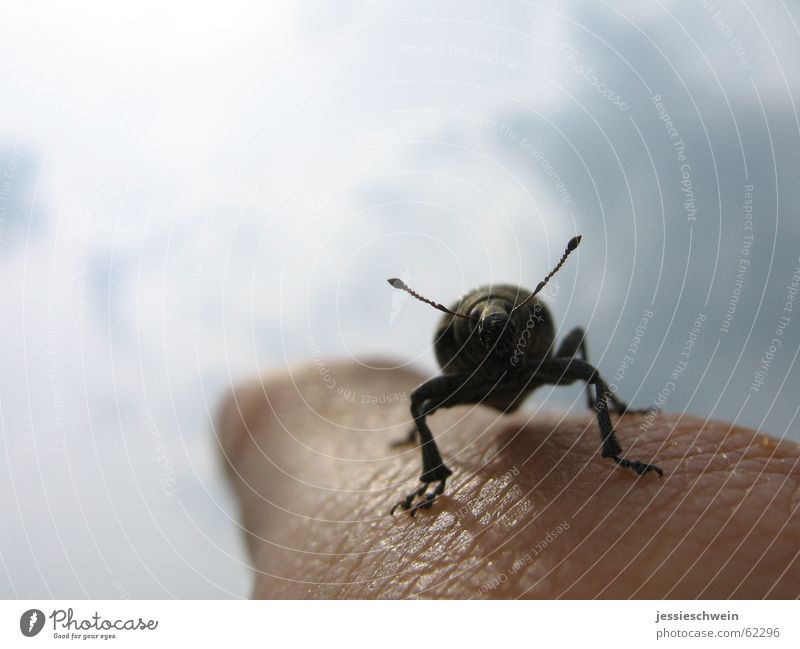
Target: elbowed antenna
(573, 243)
(398, 283)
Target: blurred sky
(190, 197)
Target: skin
(531, 511)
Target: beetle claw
(654, 410)
(640, 467)
(426, 502)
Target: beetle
(495, 346)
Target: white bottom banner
(398, 624)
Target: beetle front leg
(439, 392)
(412, 436)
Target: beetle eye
(475, 314)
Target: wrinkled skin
(313, 470)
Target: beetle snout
(491, 328)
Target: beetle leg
(574, 346)
(410, 438)
(566, 370)
(428, 408)
(407, 504)
(439, 392)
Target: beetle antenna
(398, 283)
(573, 243)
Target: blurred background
(190, 197)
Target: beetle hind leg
(574, 346)
(409, 439)
(560, 371)
(611, 447)
(621, 407)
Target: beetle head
(494, 323)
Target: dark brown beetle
(495, 346)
